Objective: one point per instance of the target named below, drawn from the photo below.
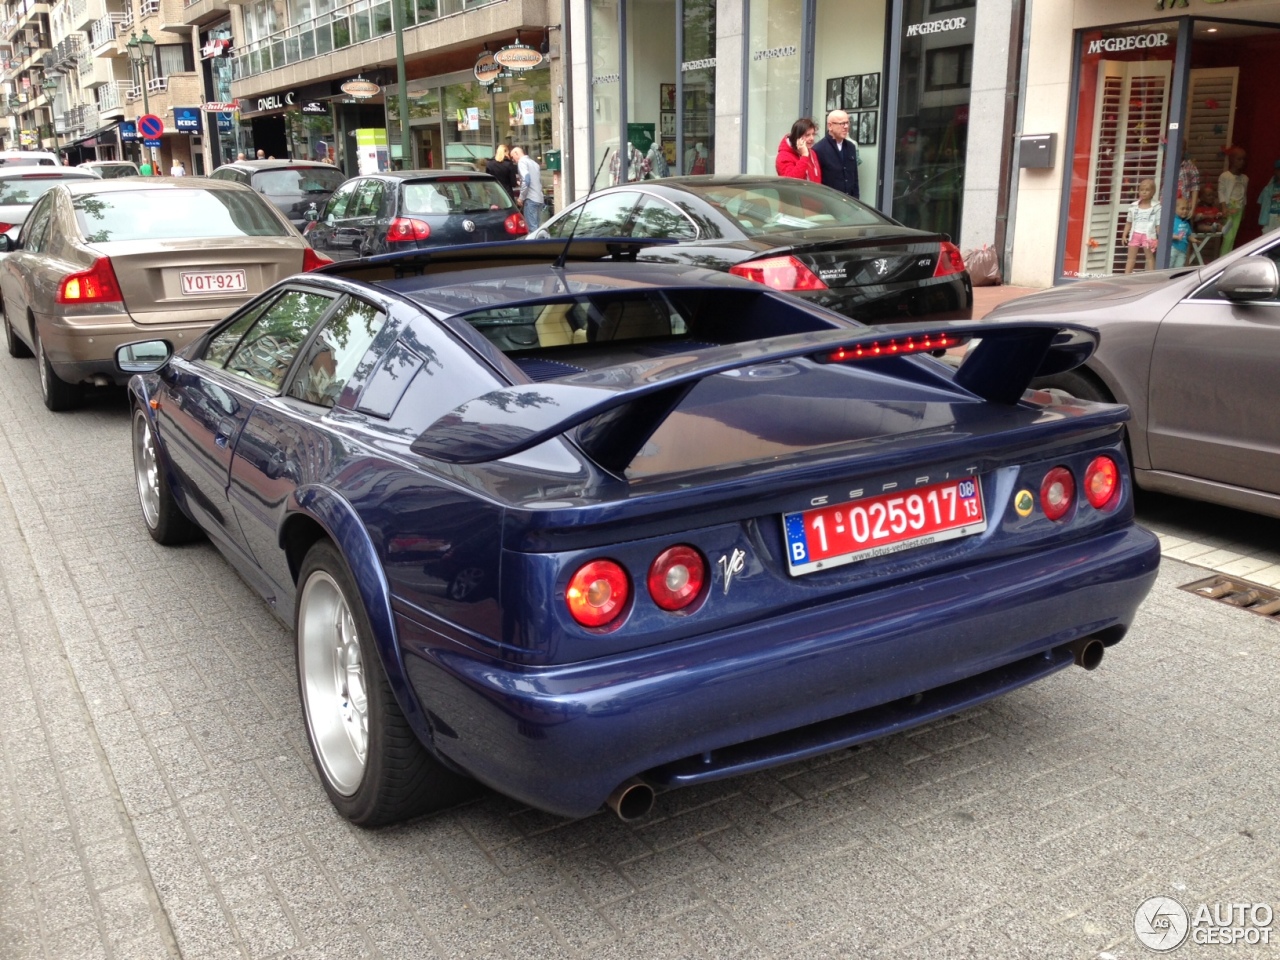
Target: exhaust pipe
(1088, 652)
(631, 800)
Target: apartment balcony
(97, 72)
(23, 15)
(196, 13)
(163, 15)
(84, 12)
(108, 34)
(111, 98)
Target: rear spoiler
(624, 405)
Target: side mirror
(6, 243)
(312, 214)
(1250, 278)
(145, 356)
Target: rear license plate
(203, 282)
(873, 526)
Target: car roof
(254, 165)
(428, 175)
(133, 184)
(48, 172)
(107, 163)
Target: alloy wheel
(146, 469)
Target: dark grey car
(293, 187)
(414, 209)
(1195, 353)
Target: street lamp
(141, 50)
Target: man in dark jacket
(838, 155)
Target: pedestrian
(146, 170)
(838, 155)
(179, 169)
(240, 156)
(795, 153)
(262, 154)
(530, 197)
(503, 169)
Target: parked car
(29, 158)
(102, 262)
(21, 186)
(111, 169)
(1194, 353)
(803, 238)
(581, 527)
(386, 212)
(293, 186)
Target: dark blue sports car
(581, 527)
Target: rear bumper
(562, 738)
(82, 351)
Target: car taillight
(311, 225)
(1057, 490)
(949, 260)
(597, 593)
(98, 284)
(896, 347)
(676, 577)
(5, 227)
(780, 273)
(1101, 481)
(313, 261)
(515, 225)
(407, 230)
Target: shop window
(651, 85)
(773, 78)
(606, 87)
(698, 82)
(847, 72)
(948, 68)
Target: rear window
(32, 161)
(788, 206)
(174, 214)
(109, 171)
(455, 196)
(24, 190)
(297, 180)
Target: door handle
(226, 430)
(274, 465)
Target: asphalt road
(157, 797)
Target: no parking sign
(150, 126)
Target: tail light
(98, 284)
(949, 260)
(780, 273)
(313, 261)
(597, 593)
(407, 230)
(515, 225)
(1057, 490)
(676, 577)
(5, 227)
(896, 347)
(311, 225)
(1101, 481)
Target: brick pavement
(159, 800)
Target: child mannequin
(1233, 188)
(1207, 218)
(1143, 227)
(1180, 238)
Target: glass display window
(773, 78)
(606, 88)
(693, 149)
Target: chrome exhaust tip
(631, 800)
(1088, 652)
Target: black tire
(1077, 383)
(11, 339)
(396, 778)
(164, 519)
(57, 393)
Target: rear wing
(623, 406)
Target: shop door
(1129, 120)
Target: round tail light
(1057, 490)
(597, 593)
(676, 577)
(1101, 481)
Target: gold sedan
(102, 263)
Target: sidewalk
(986, 299)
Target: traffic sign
(150, 126)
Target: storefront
(1180, 105)
(689, 91)
(223, 135)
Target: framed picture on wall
(870, 90)
(667, 96)
(833, 94)
(669, 151)
(667, 124)
(868, 124)
(851, 98)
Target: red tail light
(676, 577)
(515, 225)
(896, 347)
(313, 261)
(780, 273)
(1057, 490)
(407, 230)
(98, 284)
(949, 260)
(597, 594)
(1101, 481)
(5, 227)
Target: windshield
(174, 214)
(788, 206)
(455, 196)
(297, 180)
(26, 189)
(110, 171)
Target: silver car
(1195, 353)
(22, 186)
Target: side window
(656, 218)
(566, 225)
(341, 200)
(225, 340)
(606, 216)
(336, 351)
(222, 175)
(266, 351)
(35, 232)
(369, 200)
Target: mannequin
(656, 162)
(695, 159)
(637, 166)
